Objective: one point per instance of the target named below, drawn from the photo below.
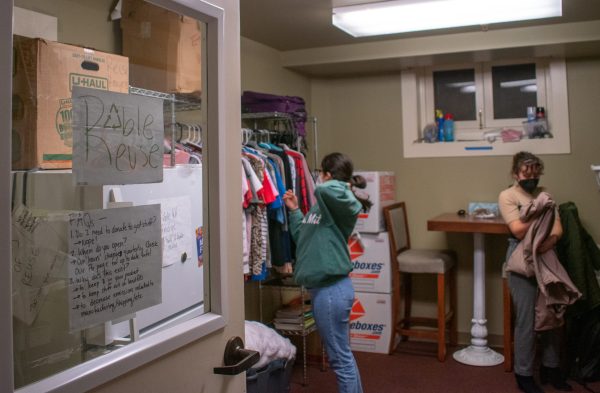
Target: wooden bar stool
(410, 261)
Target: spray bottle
(439, 120)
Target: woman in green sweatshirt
(323, 260)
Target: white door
(174, 352)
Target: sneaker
(527, 384)
(555, 377)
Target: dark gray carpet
(405, 372)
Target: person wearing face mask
(526, 171)
(323, 260)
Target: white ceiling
(301, 24)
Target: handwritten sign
(117, 138)
(177, 231)
(116, 268)
(36, 263)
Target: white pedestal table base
(478, 353)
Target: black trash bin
(275, 377)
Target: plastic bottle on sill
(540, 113)
(439, 120)
(531, 113)
(449, 127)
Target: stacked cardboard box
(43, 76)
(370, 319)
(164, 48)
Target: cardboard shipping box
(164, 48)
(372, 266)
(381, 188)
(44, 73)
(371, 322)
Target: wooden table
(478, 353)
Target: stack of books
(294, 317)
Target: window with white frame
(489, 103)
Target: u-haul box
(44, 73)
(372, 266)
(371, 322)
(381, 188)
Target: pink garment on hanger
(181, 157)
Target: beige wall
(262, 72)
(361, 116)
(81, 22)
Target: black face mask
(529, 185)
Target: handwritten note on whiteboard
(117, 138)
(117, 263)
(36, 263)
(177, 231)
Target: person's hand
(290, 200)
(547, 244)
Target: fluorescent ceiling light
(401, 16)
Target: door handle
(236, 358)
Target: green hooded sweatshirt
(321, 237)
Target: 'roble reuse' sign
(117, 138)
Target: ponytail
(356, 182)
(341, 168)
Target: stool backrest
(397, 226)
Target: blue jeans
(331, 309)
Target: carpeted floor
(404, 372)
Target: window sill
(484, 148)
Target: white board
(182, 281)
(177, 239)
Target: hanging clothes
(268, 171)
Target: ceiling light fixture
(401, 16)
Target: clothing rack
(172, 102)
(188, 133)
(260, 135)
(279, 122)
(268, 127)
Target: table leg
(478, 353)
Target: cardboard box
(164, 48)
(372, 268)
(371, 322)
(43, 76)
(381, 188)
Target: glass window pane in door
(514, 89)
(86, 259)
(454, 92)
